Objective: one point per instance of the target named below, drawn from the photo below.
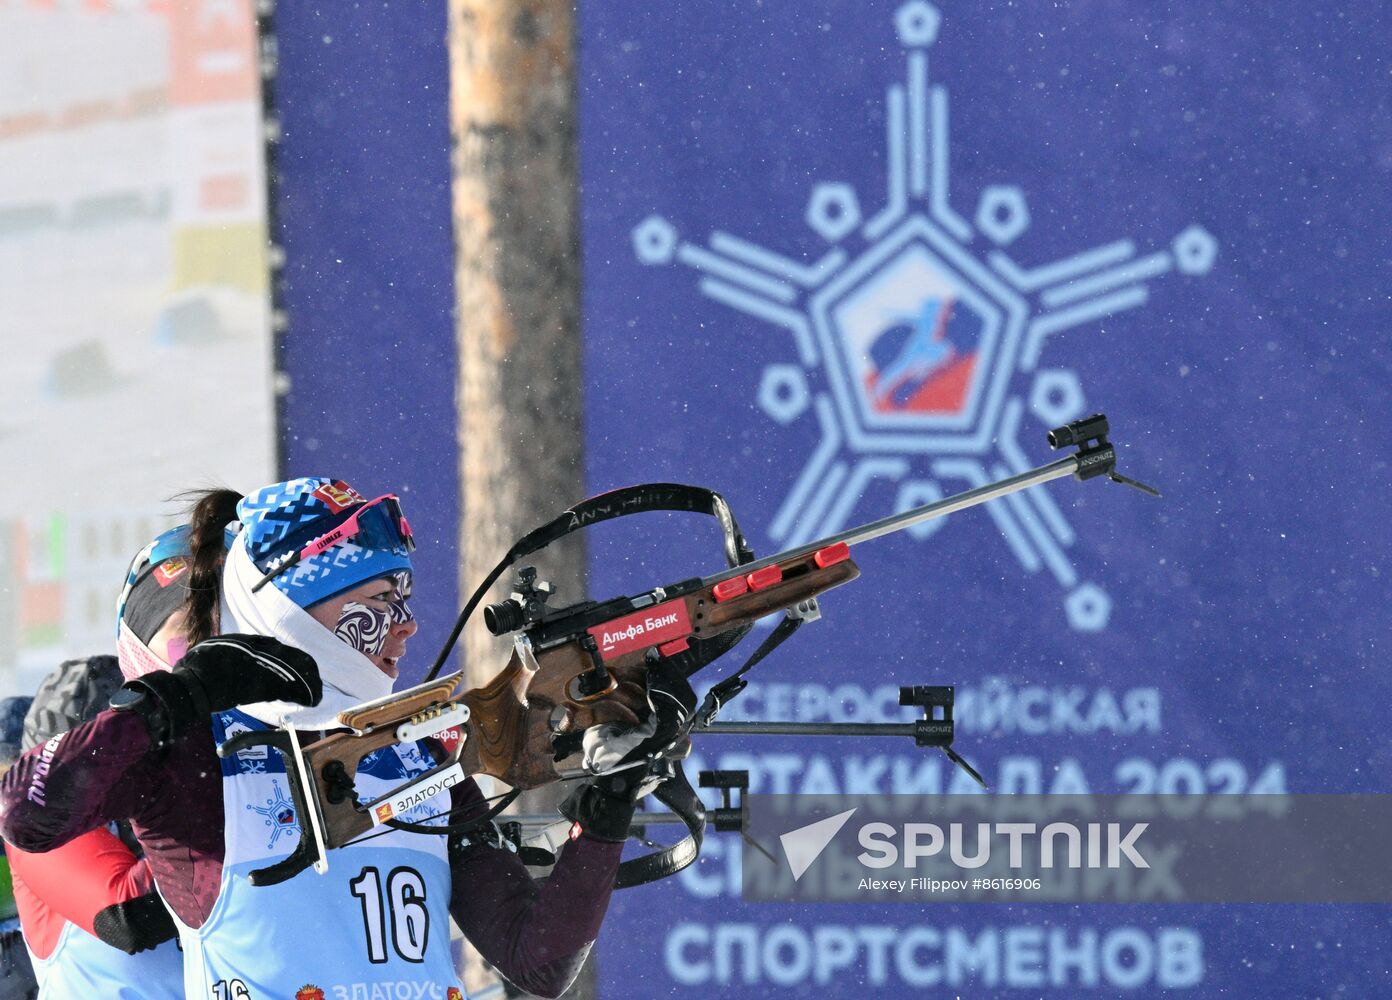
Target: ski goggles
(150, 594)
(376, 524)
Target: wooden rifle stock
(514, 717)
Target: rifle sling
(725, 689)
(676, 794)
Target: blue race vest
(375, 925)
(85, 966)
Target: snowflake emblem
(918, 338)
(279, 813)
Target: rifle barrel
(897, 522)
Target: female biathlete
(298, 615)
(92, 921)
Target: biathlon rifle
(583, 665)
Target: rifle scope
(526, 606)
(503, 617)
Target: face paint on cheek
(177, 649)
(364, 628)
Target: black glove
(217, 674)
(136, 925)
(604, 806)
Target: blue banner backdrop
(842, 258)
(364, 210)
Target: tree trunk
(512, 111)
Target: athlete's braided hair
(208, 519)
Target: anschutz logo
(917, 342)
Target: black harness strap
(676, 794)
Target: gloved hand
(136, 925)
(221, 673)
(604, 805)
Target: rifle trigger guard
(573, 691)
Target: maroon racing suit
(537, 935)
